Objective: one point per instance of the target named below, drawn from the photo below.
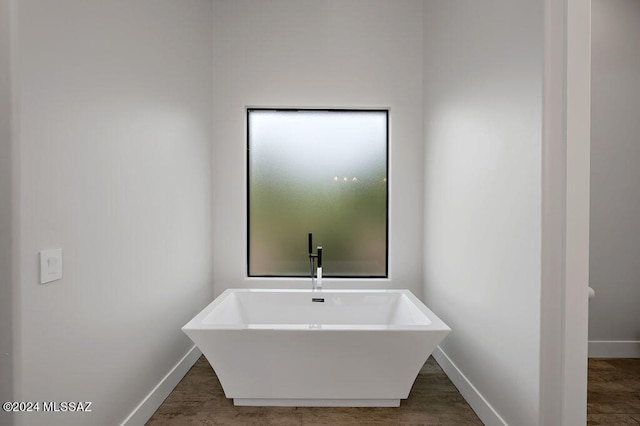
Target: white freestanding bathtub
(316, 348)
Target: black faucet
(317, 284)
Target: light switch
(50, 265)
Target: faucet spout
(316, 284)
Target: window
(322, 172)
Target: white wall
(482, 232)
(614, 322)
(115, 129)
(114, 101)
(318, 53)
(6, 205)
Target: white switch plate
(50, 265)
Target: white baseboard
(614, 349)
(488, 415)
(143, 412)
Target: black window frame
(248, 111)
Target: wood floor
(613, 392)
(613, 399)
(199, 400)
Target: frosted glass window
(322, 172)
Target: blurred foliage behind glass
(323, 172)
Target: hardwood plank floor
(199, 400)
(613, 392)
(613, 399)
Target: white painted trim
(488, 415)
(614, 349)
(554, 165)
(576, 282)
(143, 412)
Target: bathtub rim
(436, 324)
